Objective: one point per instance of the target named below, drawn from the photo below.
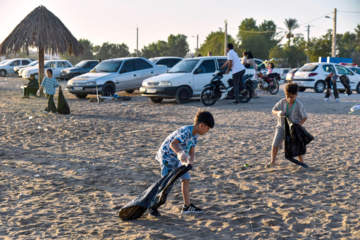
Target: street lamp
(333, 49)
(197, 44)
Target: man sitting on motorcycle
(237, 69)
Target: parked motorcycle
(217, 90)
(269, 83)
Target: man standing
(237, 69)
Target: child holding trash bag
(50, 84)
(179, 148)
(331, 81)
(291, 108)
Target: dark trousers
(328, 88)
(28, 91)
(238, 83)
(51, 105)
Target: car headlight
(165, 83)
(91, 83)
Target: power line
(349, 11)
(314, 19)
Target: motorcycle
(269, 83)
(217, 90)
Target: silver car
(113, 75)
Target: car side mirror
(197, 71)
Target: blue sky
(116, 20)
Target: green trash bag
(63, 106)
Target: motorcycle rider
(237, 69)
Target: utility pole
(137, 41)
(333, 52)
(308, 41)
(197, 44)
(225, 42)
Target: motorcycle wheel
(273, 89)
(208, 97)
(246, 97)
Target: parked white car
(113, 75)
(184, 81)
(167, 61)
(312, 75)
(7, 67)
(18, 68)
(55, 65)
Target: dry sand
(61, 176)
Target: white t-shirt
(236, 63)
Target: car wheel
(108, 89)
(129, 91)
(155, 99)
(358, 88)
(319, 86)
(183, 95)
(341, 91)
(302, 89)
(2, 73)
(81, 95)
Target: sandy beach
(65, 176)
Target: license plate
(151, 90)
(78, 88)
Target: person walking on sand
(50, 84)
(291, 108)
(237, 69)
(179, 148)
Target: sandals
(269, 165)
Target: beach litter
(38, 127)
(36, 175)
(30, 117)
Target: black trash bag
(296, 139)
(63, 106)
(345, 81)
(154, 196)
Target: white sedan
(113, 75)
(312, 75)
(55, 65)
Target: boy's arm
(302, 121)
(174, 146)
(281, 113)
(192, 156)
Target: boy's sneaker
(326, 99)
(154, 212)
(191, 209)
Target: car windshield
(308, 68)
(356, 70)
(108, 66)
(184, 66)
(81, 64)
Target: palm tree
(291, 24)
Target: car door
(341, 70)
(15, 63)
(328, 68)
(143, 70)
(127, 76)
(202, 75)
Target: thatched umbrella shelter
(43, 30)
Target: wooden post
(41, 69)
